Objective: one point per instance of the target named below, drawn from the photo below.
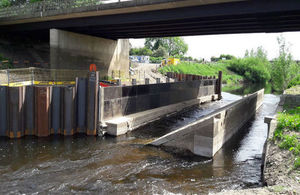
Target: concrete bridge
(153, 18)
(73, 34)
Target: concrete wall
(71, 50)
(126, 100)
(207, 135)
(25, 51)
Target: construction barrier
(42, 111)
(29, 103)
(45, 110)
(16, 109)
(56, 110)
(68, 110)
(3, 111)
(81, 91)
(92, 103)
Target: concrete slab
(211, 132)
(122, 125)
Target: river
(124, 165)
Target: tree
(173, 45)
(140, 51)
(284, 68)
(160, 52)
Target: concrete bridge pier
(70, 50)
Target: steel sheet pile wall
(42, 112)
(121, 101)
(46, 110)
(3, 111)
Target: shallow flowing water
(83, 164)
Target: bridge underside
(225, 18)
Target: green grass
(287, 123)
(211, 69)
(290, 120)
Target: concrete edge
(122, 125)
(163, 139)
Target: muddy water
(124, 165)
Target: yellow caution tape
(26, 83)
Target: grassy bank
(287, 133)
(211, 69)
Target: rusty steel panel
(3, 111)
(16, 109)
(29, 110)
(56, 110)
(69, 110)
(92, 103)
(81, 92)
(42, 111)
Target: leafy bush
(289, 142)
(289, 120)
(156, 60)
(5, 3)
(295, 81)
(284, 68)
(253, 69)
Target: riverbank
(282, 153)
(209, 69)
(281, 172)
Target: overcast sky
(235, 44)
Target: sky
(206, 46)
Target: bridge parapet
(60, 7)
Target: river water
(124, 165)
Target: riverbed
(124, 165)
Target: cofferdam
(86, 164)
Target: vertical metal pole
(32, 76)
(220, 86)
(147, 81)
(7, 72)
(133, 82)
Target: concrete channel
(207, 135)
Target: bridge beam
(70, 50)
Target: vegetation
(295, 81)
(222, 57)
(160, 48)
(253, 67)
(172, 45)
(7, 3)
(287, 132)
(283, 69)
(5, 63)
(205, 70)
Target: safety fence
(40, 76)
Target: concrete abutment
(70, 50)
(58, 49)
